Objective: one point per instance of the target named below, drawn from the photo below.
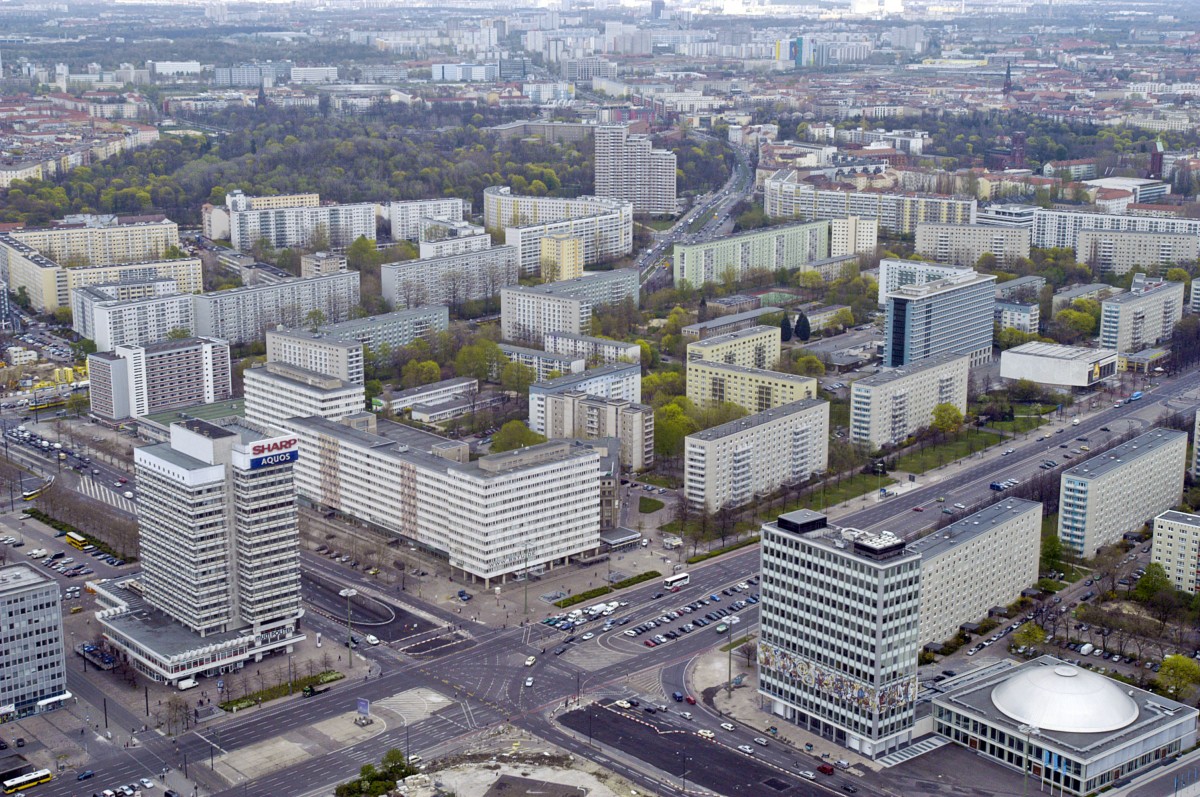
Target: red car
(918, 509)
(690, 700)
(650, 643)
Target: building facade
(895, 273)
(1051, 364)
(452, 280)
(102, 240)
(1116, 252)
(395, 329)
(617, 381)
(544, 363)
(723, 325)
(628, 168)
(529, 313)
(405, 217)
(1176, 542)
(1141, 317)
(562, 257)
(1021, 316)
(951, 314)
(32, 656)
(110, 322)
(787, 247)
(964, 244)
(575, 414)
(1094, 505)
(598, 351)
(134, 381)
(754, 389)
(891, 406)
(317, 352)
(1061, 228)
(275, 392)
(318, 264)
(754, 347)
(242, 315)
(297, 226)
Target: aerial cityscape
(621, 398)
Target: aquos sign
(281, 450)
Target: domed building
(1064, 725)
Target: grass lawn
(964, 445)
(648, 505)
(657, 480)
(1019, 424)
(659, 224)
(858, 484)
(701, 220)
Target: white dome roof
(1064, 698)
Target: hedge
(60, 525)
(281, 690)
(691, 560)
(598, 591)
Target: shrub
(691, 560)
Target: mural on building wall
(835, 684)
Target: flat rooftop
(972, 526)
(508, 348)
(18, 577)
(1175, 516)
(457, 381)
(567, 381)
(218, 410)
(889, 375)
(1125, 453)
(1064, 353)
(729, 337)
(732, 318)
(758, 419)
(777, 376)
(1147, 292)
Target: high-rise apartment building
(840, 630)
(562, 257)
(617, 381)
(629, 168)
(318, 264)
(277, 391)
(405, 217)
(445, 238)
(316, 352)
(1140, 318)
(1116, 252)
(1176, 547)
(134, 381)
(241, 315)
(395, 329)
(1095, 506)
(788, 247)
(451, 280)
(894, 404)
(951, 314)
(853, 235)
(32, 657)
(754, 389)
(102, 240)
(107, 321)
(575, 414)
(1061, 228)
(297, 225)
(754, 347)
(964, 244)
(529, 313)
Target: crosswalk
(912, 751)
(413, 705)
(95, 490)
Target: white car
(372, 639)
(807, 774)
(728, 726)
(747, 749)
(587, 636)
(146, 783)
(529, 682)
(529, 662)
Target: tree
(77, 403)
(803, 328)
(314, 320)
(1178, 675)
(1152, 582)
(1052, 551)
(671, 426)
(179, 333)
(749, 649)
(361, 254)
(62, 315)
(516, 378)
(947, 419)
(513, 435)
(809, 365)
(1029, 635)
(785, 328)
(843, 318)
(482, 360)
(419, 372)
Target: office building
(964, 244)
(788, 247)
(754, 347)
(575, 414)
(731, 464)
(754, 389)
(529, 313)
(110, 322)
(1071, 729)
(220, 554)
(597, 351)
(1176, 543)
(32, 657)
(1144, 191)
(786, 196)
(395, 329)
(1142, 317)
(1094, 498)
(604, 225)
(133, 381)
(1052, 364)
(1061, 228)
(318, 352)
(1114, 252)
(318, 264)
(838, 649)
(242, 315)
(951, 314)
(562, 257)
(277, 391)
(628, 168)
(102, 240)
(1021, 316)
(459, 387)
(621, 381)
(889, 407)
(405, 217)
(976, 563)
(724, 324)
(453, 280)
(297, 225)
(544, 363)
(894, 274)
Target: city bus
(676, 581)
(76, 540)
(26, 781)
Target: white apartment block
(82, 299)
(295, 226)
(318, 264)
(964, 244)
(575, 414)
(1021, 316)
(33, 657)
(731, 464)
(241, 315)
(109, 322)
(788, 247)
(1113, 252)
(604, 225)
(839, 617)
(597, 351)
(317, 352)
(629, 168)
(134, 381)
(983, 560)
(894, 273)
(405, 217)
(1196, 449)
(1061, 228)
(1175, 547)
(853, 235)
(621, 381)
(445, 238)
(102, 240)
(754, 389)
(1140, 318)
(724, 324)
(276, 391)
(787, 197)
(278, 201)
(395, 329)
(1095, 506)
(452, 280)
(529, 313)
(892, 405)
(753, 347)
(433, 393)
(544, 363)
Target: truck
(310, 691)
(1087, 649)
(188, 683)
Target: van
(825, 769)
(1075, 422)
(188, 683)
(841, 764)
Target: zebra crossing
(413, 705)
(913, 750)
(93, 489)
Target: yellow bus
(76, 540)
(27, 781)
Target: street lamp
(349, 593)
(1029, 731)
(683, 777)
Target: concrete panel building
(562, 257)
(241, 315)
(88, 240)
(723, 325)
(1028, 287)
(1052, 364)
(964, 244)
(33, 657)
(754, 389)
(853, 235)
(788, 247)
(598, 351)
(1142, 317)
(434, 393)
(134, 381)
(1114, 252)
(622, 381)
(1175, 547)
(395, 329)
(275, 392)
(892, 405)
(318, 264)
(445, 238)
(575, 414)
(1061, 228)
(316, 352)
(1094, 505)
(405, 217)
(1021, 316)
(1097, 291)
(543, 363)
(951, 314)
(730, 464)
(628, 168)
(894, 274)
(529, 313)
(451, 280)
(754, 347)
(110, 322)
(296, 225)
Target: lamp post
(1029, 731)
(683, 777)
(349, 593)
